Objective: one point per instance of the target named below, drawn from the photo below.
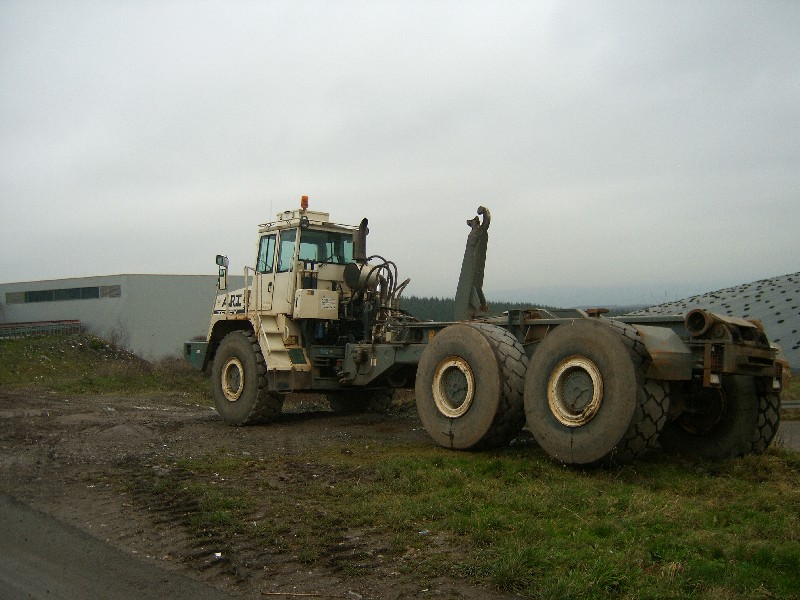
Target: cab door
(265, 272)
(285, 273)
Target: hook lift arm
(470, 301)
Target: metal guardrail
(12, 330)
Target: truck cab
(312, 292)
(300, 265)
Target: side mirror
(360, 242)
(222, 263)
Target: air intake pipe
(701, 323)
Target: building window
(79, 293)
(110, 291)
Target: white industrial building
(151, 315)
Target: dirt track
(72, 458)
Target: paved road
(789, 431)
(44, 558)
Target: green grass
(84, 364)
(513, 519)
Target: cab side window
(286, 256)
(266, 254)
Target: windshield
(326, 247)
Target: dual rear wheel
(585, 394)
(587, 399)
(469, 387)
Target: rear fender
(670, 358)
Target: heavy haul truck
(318, 314)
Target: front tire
(469, 387)
(239, 382)
(586, 397)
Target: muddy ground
(75, 457)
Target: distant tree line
(441, 309)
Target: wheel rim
(575, 391)
(232, 379)
(453, 387)
(707, 411)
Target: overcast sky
(630, 152)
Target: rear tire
(740, 417)
(469, 387)
(239, 382)
(586, 397)
(361, 400)
(769, 416)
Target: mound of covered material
(775, 302)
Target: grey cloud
(648, 144)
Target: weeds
(83, 364)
